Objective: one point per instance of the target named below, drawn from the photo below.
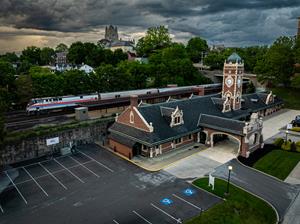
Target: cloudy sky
(230, 22)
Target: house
(151, 130)
(86, 68)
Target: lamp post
(228, 180)
(286, 135)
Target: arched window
(131, 117)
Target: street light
(286, 135)
(228, 180)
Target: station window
(190, 136)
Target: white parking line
(115, 221)
(16, 188)
(172, 217)
(142, 217)
(80, 164)
(69, 171)
(54, 177)
(96, 161)
(35, 181)
(1, 209)
(195, 206)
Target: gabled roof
(222, 124)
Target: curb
(255, 195)
(145, 168)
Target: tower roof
(234, 57)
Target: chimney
(133, 100)
(199, 90)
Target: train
(47, 104)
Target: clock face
(229, 82)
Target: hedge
(278, 142)
(287, 146)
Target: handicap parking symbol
(189, 192)
(166, 201)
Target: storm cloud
(229, 22)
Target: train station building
(151, 130)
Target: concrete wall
(36, 147)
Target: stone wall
(36, 147)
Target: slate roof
(210, 109)
(222, 124)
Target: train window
(81, 97)
(117, 96)
(60, 98)
(149, 92)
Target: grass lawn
(240, 207)
(290, 97)
(278, 163)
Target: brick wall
(120, 148)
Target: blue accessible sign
(166, 201)
(189, 192)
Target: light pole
(286, 135)
(228, 180)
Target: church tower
(232, 82)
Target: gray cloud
(232, 22)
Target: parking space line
(172, 217)
(69, 171)
(142, 217)
(54, 177)
(16, 188)
(96, 161)
(35, 181)
(115, 221)
(1, 209)
(195, 206)
(80, 164)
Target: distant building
(61, 59)
(86, 68)
(217, 47)
(111, 41)
(111, 33)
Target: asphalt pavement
(95, 186)
(278, 193)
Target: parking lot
(95, 186)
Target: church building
(151, 130)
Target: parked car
(296, 122)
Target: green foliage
(278, 142)
(75, 82)
(215, 60)
(278, 163)
(195, 47)
(32, 55)
(77, 53)
(24, 89)
(61, 48)
(250, 88)
(276, 67)
(289, 96)
(297, 129)
(240, 207)
(295, 82)
(156, 38)
(297, 146)
(286, 146)
(9, 57)
(47, 56)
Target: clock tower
(232, 82)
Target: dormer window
(176, 117)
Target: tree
(196, 47)
(47, 56)
(118, 56)
(77, 53)
(276, 66)
(215, 60)
(24, 89)
(32, 55)
(75, 82)
(9, 57)
(102, 79)
(156, 38)
(61, 48)
(2, 125)
(295, 83)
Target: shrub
(298, 146)
(278, 142)
(297, 129)
(287, 146)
